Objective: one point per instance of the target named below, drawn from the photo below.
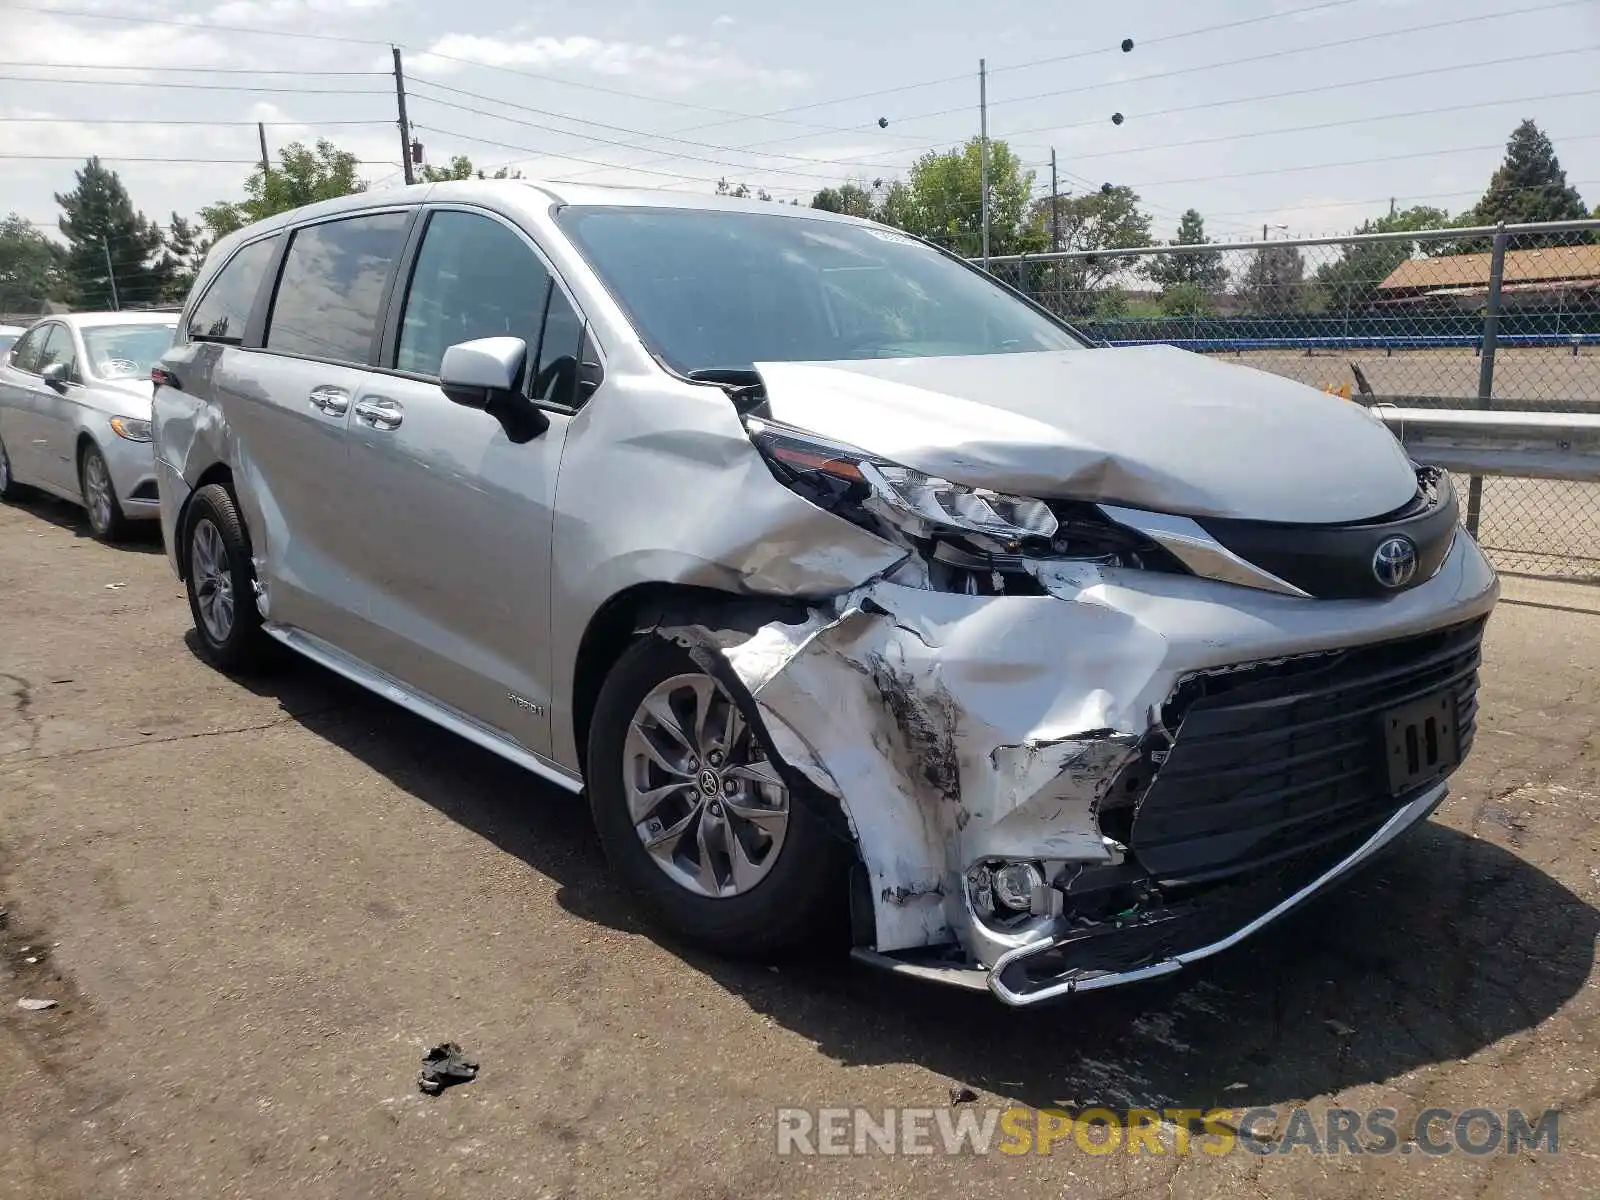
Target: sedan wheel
(212, 572)
(706, 804)
(100, 496)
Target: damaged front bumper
(1180, 760)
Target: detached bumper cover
(956, 730)
(1046, 969)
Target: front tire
(100, 501)
(221, 583)
(10, 489)
(696, 818)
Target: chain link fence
(1505, 318)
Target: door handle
(330, 401)
(379, 412)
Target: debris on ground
(963, 1095)
(28, 1004)
(444, 1065)
(1340, 1029)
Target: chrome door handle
(379, 412)
(330, 401)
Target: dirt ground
(259, 905)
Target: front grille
(1272, 760)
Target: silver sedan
(75, 414)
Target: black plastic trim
(1335, 562)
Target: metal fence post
(1491, 336)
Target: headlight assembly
(973, 539)
(131, 428)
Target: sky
(1305, 116)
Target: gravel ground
(258, 905)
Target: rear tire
(739, 886)
(221, 583)
(100, 500)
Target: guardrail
(1527, 445)
(1364, 342)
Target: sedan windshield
(710, 290)
(126, 351)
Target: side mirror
(486, 374)
(471, 373)
(55, 375)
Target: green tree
(460, 167)
(1529, 185)
(1274, 281)
(1109, 219)
(1188, 300)
(32, 268)
(851, 199)
(185, 250)
(741, 191)
(1350, 282)
(943, 201)
(1199, 273)
(303, 176)
(99, 222)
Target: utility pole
(111, 274)
(983, 153)
(405, 125)
(1055, 205)
(266, 159)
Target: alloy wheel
(97, 490)
(212, 573)
(707, 804)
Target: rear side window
(223, 310)
(331, 289)
(25, 356)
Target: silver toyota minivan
(863, 597)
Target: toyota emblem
(1394, 562)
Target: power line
(1037, 62)
(200, 87)
(1357, 162)
(166, 69)
(1543, 55)
(582, 121)
(532, 154)
(156, 121)
(1254, 58)
(1417, 112)
(255, 162)
(681, 156)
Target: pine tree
(1529, 185)
(99, 222)
(186, 250)
(1197, 274)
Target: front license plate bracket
(1421, 742)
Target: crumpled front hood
(1150, 427)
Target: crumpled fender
(955, 728)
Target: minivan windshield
(716, 290)
(127, 351)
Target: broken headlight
(971, 539)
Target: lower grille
(1274, 760)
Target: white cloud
(678, 63)
(722, 22)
